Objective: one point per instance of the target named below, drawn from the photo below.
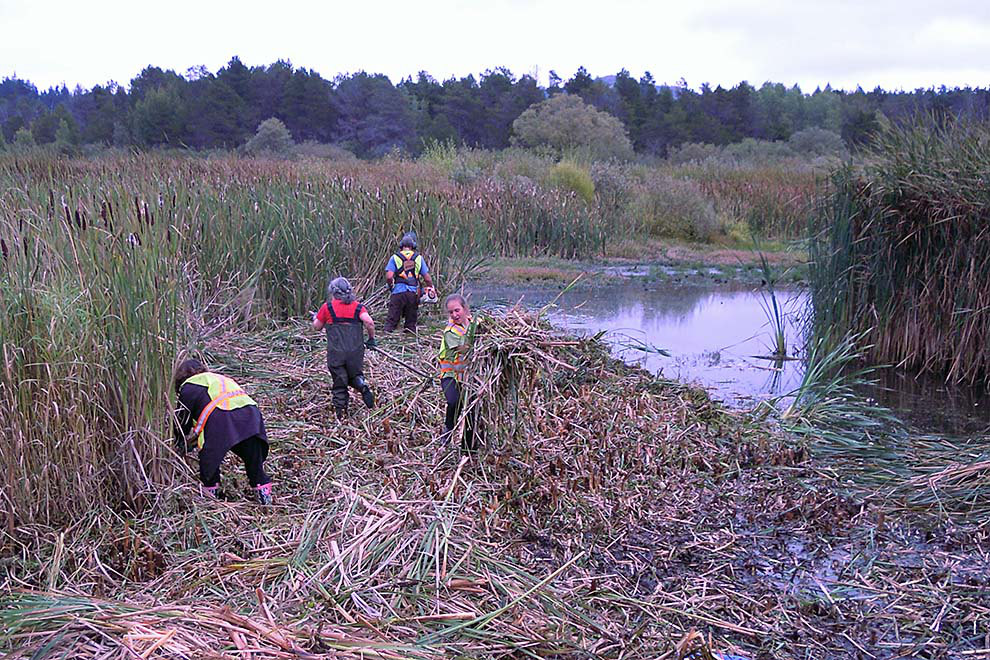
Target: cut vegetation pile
(902, 260)
(607, 514)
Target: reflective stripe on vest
(457, 365)
(225, 394)
(407, 276)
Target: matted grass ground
(607, 515)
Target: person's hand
(371, 343)
(312, 315)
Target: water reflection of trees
(656, 304)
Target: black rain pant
(349, 372)
(453, 393)
(253, 451)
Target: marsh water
(719, 337)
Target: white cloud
(894, 44)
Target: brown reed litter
(609, 514)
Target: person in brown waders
(345, 320)
(403, 272)
(220, 415)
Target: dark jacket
(224, 428)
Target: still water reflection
(716, 337)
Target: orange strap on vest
(213, 405)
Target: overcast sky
(894, 44)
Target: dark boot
(368, 397)
(361, 385)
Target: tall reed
(112, 268)
(902, 257)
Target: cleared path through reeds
(607, 515)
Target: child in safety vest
(221, 416)
(345, 320)
(454, 346)
(403, 270)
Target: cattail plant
(901, 259)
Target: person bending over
(220, 415)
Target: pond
(719, 337)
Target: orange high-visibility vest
(451, 362)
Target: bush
(515, 162)
(573, 179)
(757, 152)
(693, 152)
(23, 139)
(564, 123)
(272, 140)
(675, 208)
(818, 142)
(334, 152)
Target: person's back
(345, 320)
(403, 271)
(222, 417)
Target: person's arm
(369, 323)
(425, 272)
(184, 419)
(321, 317)
(390, 272)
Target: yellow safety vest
(451, 362)
(225, 394)
(408, 263)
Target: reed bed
(110, 269)
(607, 514)
(773, 200)
(900, 260)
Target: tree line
(369, 115)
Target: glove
(371, 343)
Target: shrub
(693, 152)
(23, 139)
(272, 140)
(515, 162)
(757, 152)
(573, 179)
(818, 142)
(564, 123)
(675, 208)
(314, 149)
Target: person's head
(340, 289)
(408, 241)
(457, 308)
(186, 370)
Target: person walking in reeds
(220, 415)
(403, 272)
(345, 320)
(454, 347)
